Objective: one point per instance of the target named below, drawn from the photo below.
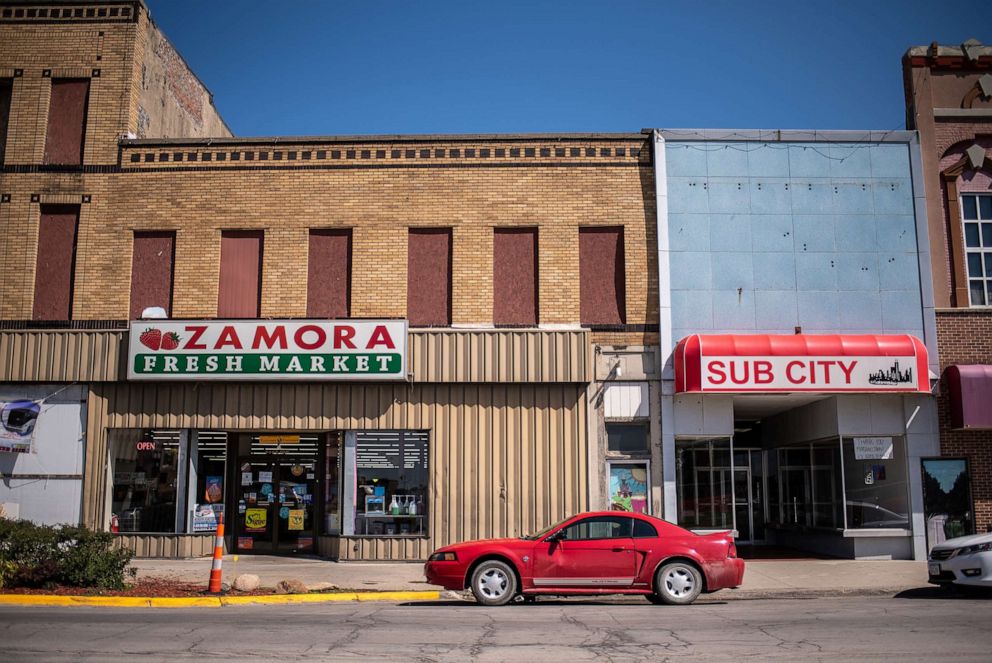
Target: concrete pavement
(923, 626)
(762, 579)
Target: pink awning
(970, 388)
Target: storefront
(812, 442)
(450, 445)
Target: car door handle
(620, 549)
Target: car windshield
(538, 535)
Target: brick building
(523, 267)
(949, 101)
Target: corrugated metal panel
(170, 546)
(504, 459)
(61, 356)
(495, 355)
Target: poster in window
(206, 517)
(215, 490)
(256, 520)
(17, 421)
(296, 520)
(629, 488)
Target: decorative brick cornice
(12, 11)
(402, 153)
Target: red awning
(970, 388)
(769, 363)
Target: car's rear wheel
(677, 583)
(494, 583)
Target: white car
(966, 560)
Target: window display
(629, 487)
(146, 468)
(875, 475)
(705, 484)
(388, 496)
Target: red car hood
(482, 543)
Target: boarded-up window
(240, 289)
(515, 276)
(601, 276)
(56, 265)
(66, 122)
(151, 271)
(6, 87)
(428, 289)
(329, 274)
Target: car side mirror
(557, 536)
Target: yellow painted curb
(209, 601)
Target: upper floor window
(56, 265)
(976, 214)
(6, 89)
(240, 288)
(428, 299)
(602, 287)
(66, 122)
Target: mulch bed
(151, 587)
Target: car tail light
(732, 551)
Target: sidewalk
(762, 579)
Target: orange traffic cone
(215, 571)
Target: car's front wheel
(677, 583)
(494, 583)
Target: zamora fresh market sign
(302, 350)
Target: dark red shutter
(66, 122)
(428, 290)
(6, 87)
(515, 276)
(240, 274)
(151, 271)
(329, 274)
(602, 289)
(56, 266)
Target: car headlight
(443, 557)
(971, 550)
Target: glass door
(742, 504)
(795, 486)
(254, 530)
(947, 505)
(296, 520)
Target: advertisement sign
(808, 373)
(267, 350)
(256, 520)
(295, 520)
(206, 517)
(872, 448)
(17, 422)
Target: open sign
(146, 445)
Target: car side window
(644, 530)
(599, 527)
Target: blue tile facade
(768, 236)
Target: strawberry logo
(151, 338)
(170, 341)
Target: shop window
(428, 293)
(329, 274)
(602, 286)
(386, 488)
(147, 489)
(875, 473)
(947, 501)
(705, 484)
(239, 292)
(66, 122)
(332, 487)
(976, 215)
(515, 276)
(630, 487)
(160, 486)
(6, 88)
(152, 261)
(56, 265)
(627, 438)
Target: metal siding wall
(434, 356)
(530, 439)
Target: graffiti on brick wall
(185, 89)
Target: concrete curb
(209, 601)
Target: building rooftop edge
(790, 135)
(971, 49)
(384, 138)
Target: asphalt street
(918, 625)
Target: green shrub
(45, 555)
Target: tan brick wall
(965, 337)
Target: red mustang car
(593, 553)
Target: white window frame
(980, 250)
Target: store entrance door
(277, 498)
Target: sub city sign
(800, 363)
(302, 350)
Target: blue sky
(363, 67)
